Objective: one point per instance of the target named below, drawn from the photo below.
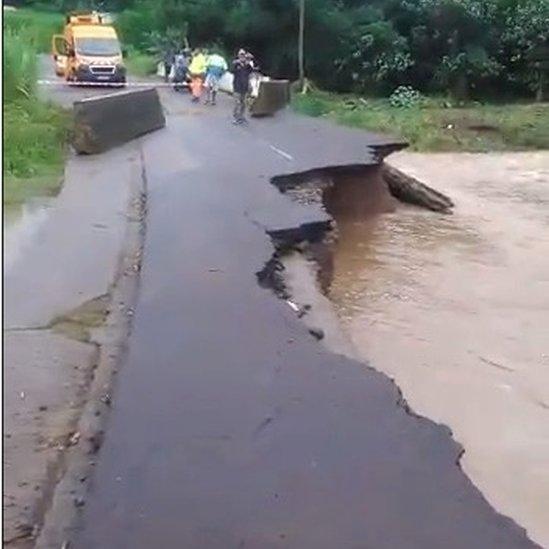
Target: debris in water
(408, 189)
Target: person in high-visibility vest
(197, 70)
(216, 67)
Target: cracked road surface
(230, 425)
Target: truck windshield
(98, 46)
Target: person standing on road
(180, 71)
(216, 67)
(242, 69)
(169, 57)
(197, 70)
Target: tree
(300, 46)
(465, 47)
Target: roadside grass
(34, 149)
(35, 132)
(139, 63)
(36, 26)
(436, 124)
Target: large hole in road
(350, 195)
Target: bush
(405, 97)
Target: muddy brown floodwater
(456, 310)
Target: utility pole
(300, 46)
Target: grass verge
(35, 132)
(436, 125)
(34, 149)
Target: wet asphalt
(232, 427)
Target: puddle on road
(21, 225)
(456, 309)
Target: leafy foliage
(469, 47)
(405, 97)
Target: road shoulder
(69, 296)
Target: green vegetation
(470, 48)
(35, 131)
(34, 148)
(487, 56)
(139, 63)
(34, 27)
(437, 124)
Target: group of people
(205, 70)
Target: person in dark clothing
(243, 67)
(181, 64)
(169, 59)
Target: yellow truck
(88, 50)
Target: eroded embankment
(304, 256)
(357, 192)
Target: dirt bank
(455, 309)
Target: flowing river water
(455, 308)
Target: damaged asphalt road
(231, 426)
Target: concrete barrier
(226, 82)
(273, 95)
(106, 121)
